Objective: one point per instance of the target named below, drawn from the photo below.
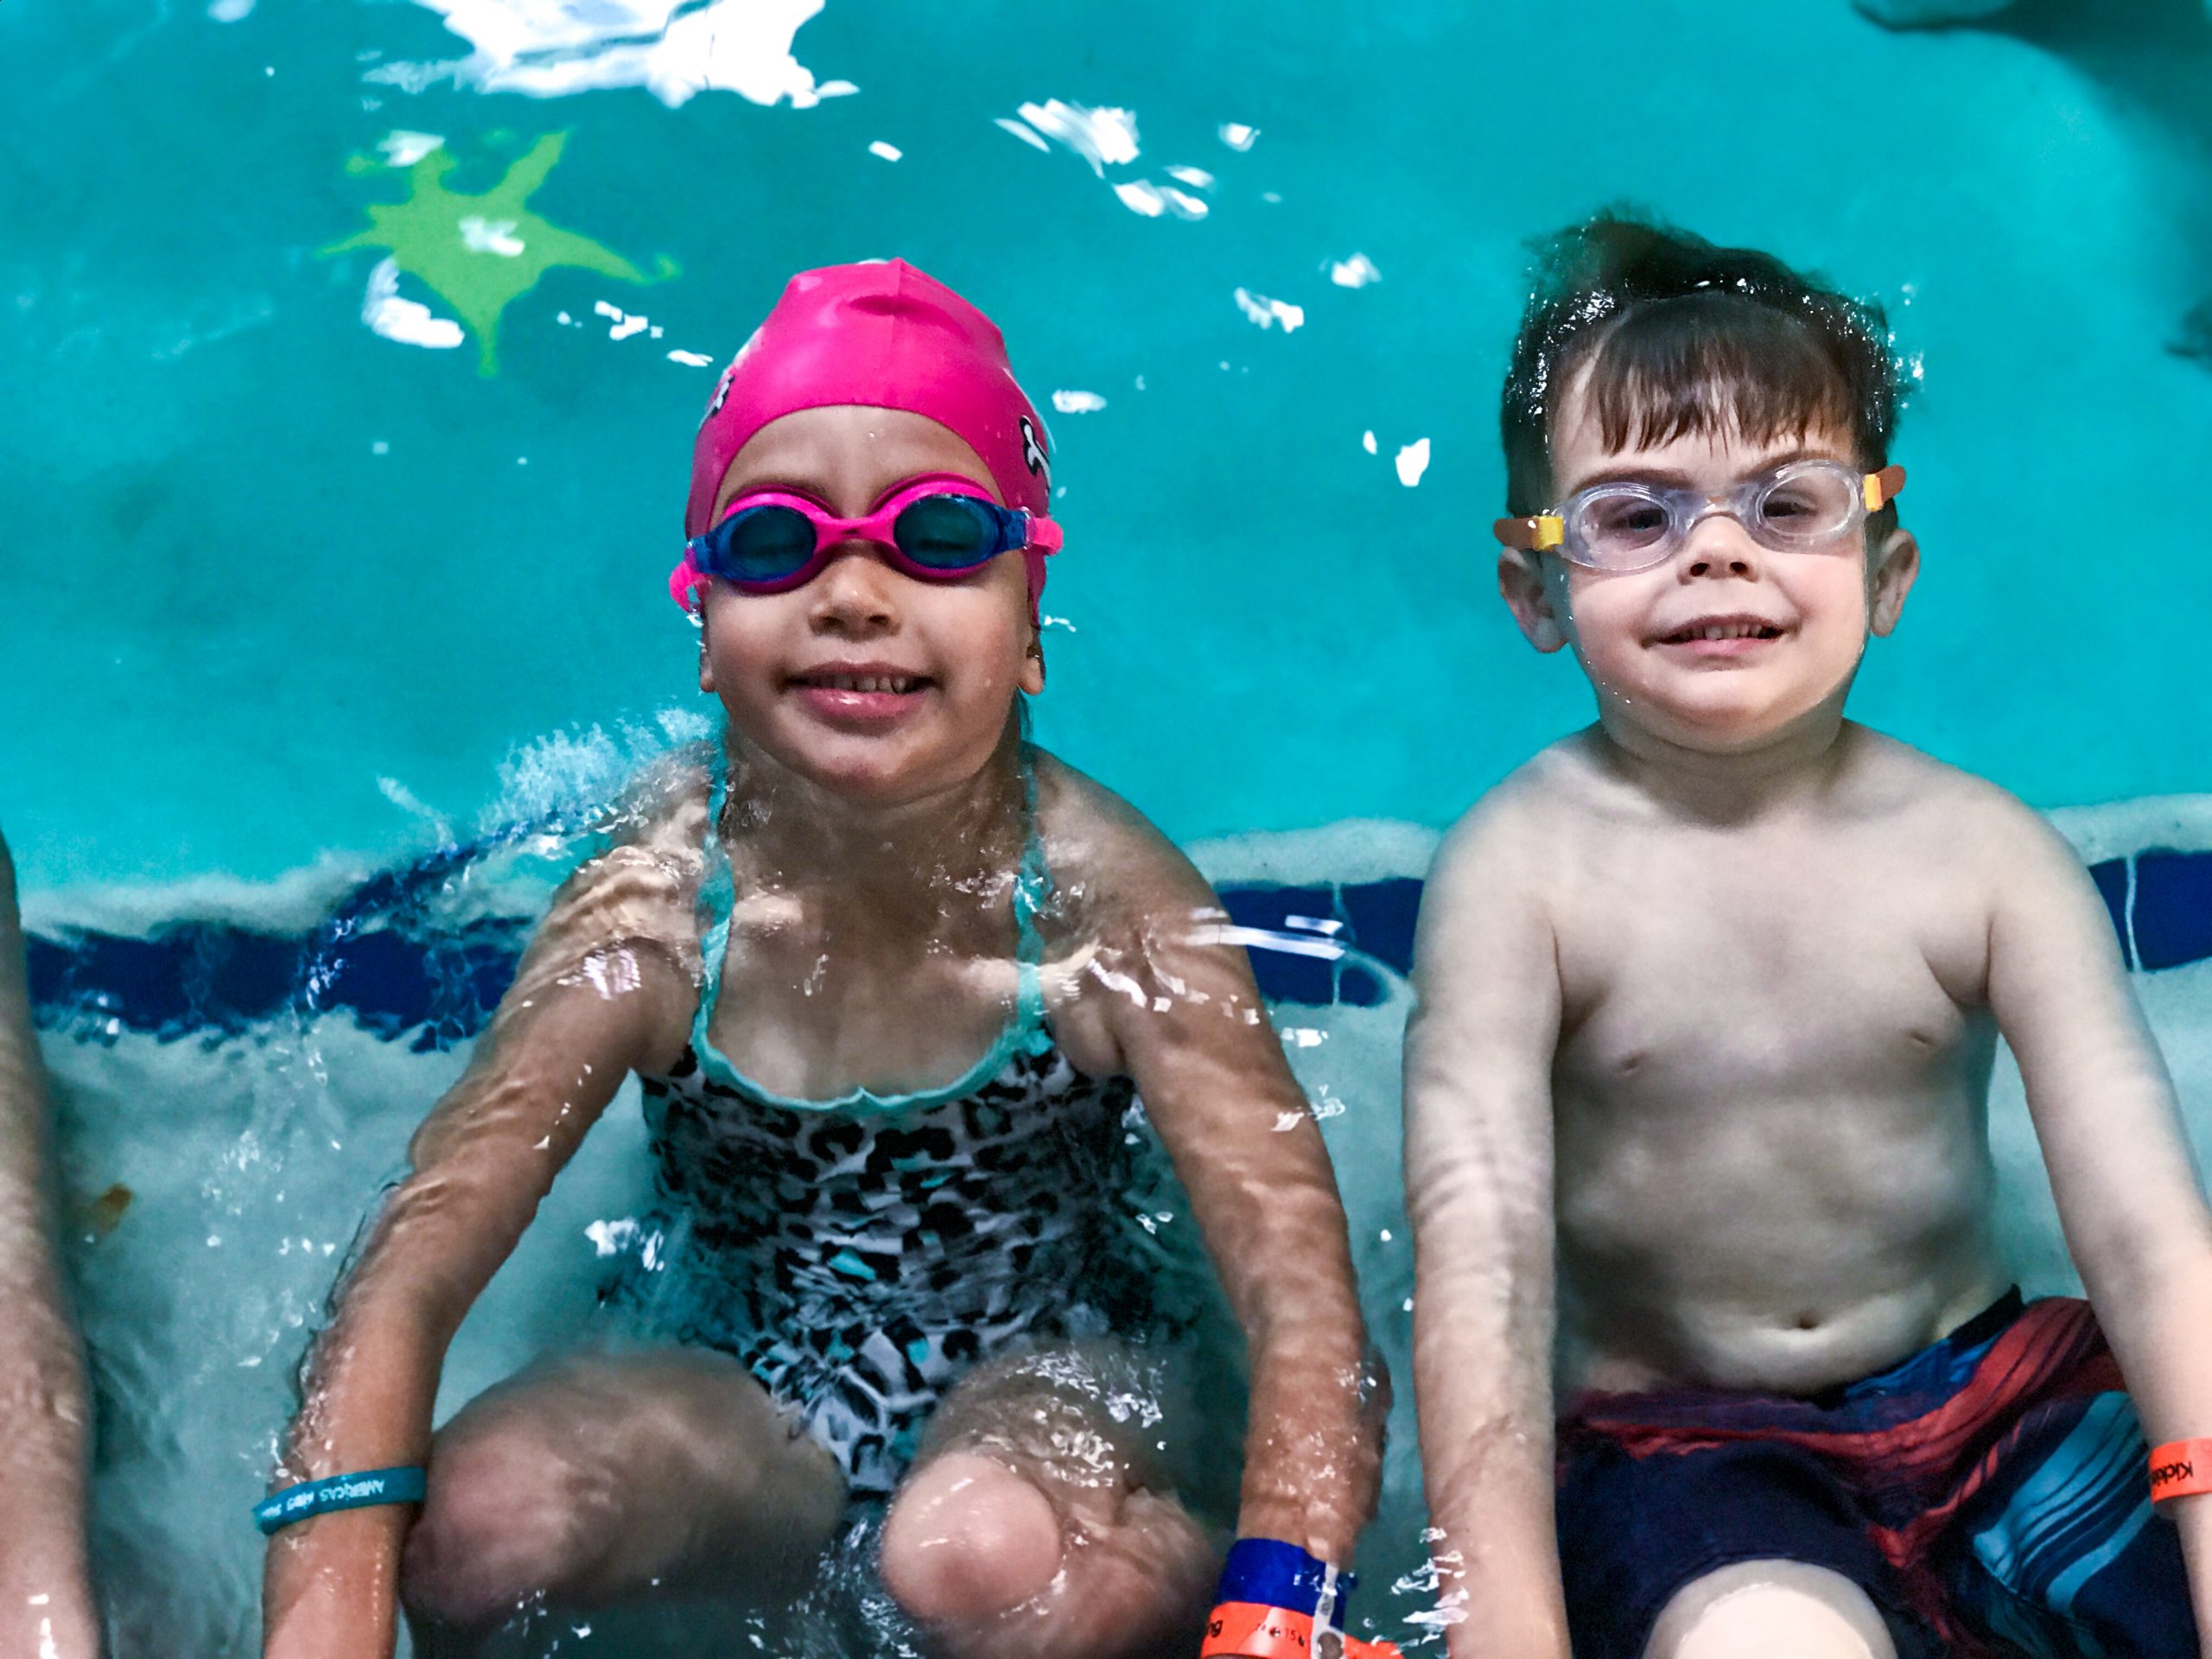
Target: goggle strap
(1533, 535)
(1881, 488)
(1034, 530)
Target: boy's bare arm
(2121, 1168)
(593, 1001)
(1193, 1032)
(45, 1404)
(1479, 1048)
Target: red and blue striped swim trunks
(1988, 1493)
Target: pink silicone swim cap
(886, 336)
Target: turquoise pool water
(273, 579)
(320, 556)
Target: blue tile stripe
(382, 957)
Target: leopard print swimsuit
(860, 1254)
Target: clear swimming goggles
(1621, 526)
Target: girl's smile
(877, 686)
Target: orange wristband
(2181, 1469)
(1250, 1630)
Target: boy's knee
(1759, 1610)
(502, 1523)
(967, 1539)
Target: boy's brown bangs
(1715, 366)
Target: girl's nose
(856, 593)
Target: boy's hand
(2110, 1128)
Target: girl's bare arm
(605, 987)
(45, 1601)
(1479, 1156)
(1193, 1034)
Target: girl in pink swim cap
(893, 979)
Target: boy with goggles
(1628, 525)
(1696, 1086)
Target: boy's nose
(1719, 546)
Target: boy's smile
(1724, 646)
(1724, 637)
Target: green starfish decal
(482, 253)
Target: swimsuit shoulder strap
(717, 900)
(1032, 887)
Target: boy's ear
(1899, 566)
(1520, 584)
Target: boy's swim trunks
(1988, 1494)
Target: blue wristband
(1272, 1573)
(359, 1491)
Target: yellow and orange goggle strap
(1545, 530)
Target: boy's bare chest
(1782, 970)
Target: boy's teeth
(1727, 631)
(866, 682)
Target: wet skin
(1708, 997)
(46, 1600)
(873, 830)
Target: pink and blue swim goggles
(936, 528)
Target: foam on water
(550, 48)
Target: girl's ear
(1032, 664)
(706, 662)
(1522, 585)
(1892, 580)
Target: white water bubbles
(407, 321)
(1358, 271)
(1266, 312)
(675, 49)
(403, 149)
(1105, 137)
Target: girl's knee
(1758, 1610)
(967, 1539)
(503, 1521)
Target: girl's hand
(1163, 993)
(605, 987)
